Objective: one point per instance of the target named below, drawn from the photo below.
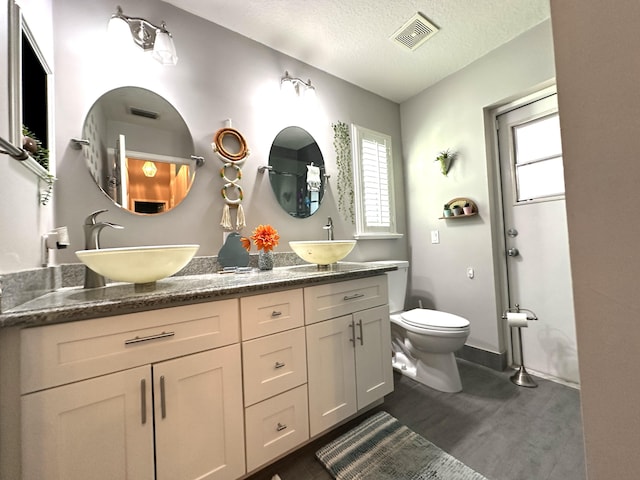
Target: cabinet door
(374, 372)
(331, 376)
(100, 428)
(199, 416)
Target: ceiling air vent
(140, 112)
(415, 32)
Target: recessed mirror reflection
(139, 150)
(297, 172)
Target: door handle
(353, 333)
(361, 338)
(143, 401)
(513, 252)
(163, 399)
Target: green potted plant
(447, 210)
(467, 208)
(445, 158)
(456, 210)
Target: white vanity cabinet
(274, 375)
(92, 392)
(348, 349)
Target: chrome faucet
(329, 228)
(92, 231)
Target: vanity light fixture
(149, 169)
(151, 38)
(291, 86)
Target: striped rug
(382, 448)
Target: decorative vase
(265, 260)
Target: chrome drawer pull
(143, 400)
(280, 364)
(275, 313)
(157, 336)
(353, 297)
(280, 427)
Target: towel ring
(231, 201)
(223, 173)
(218, 146)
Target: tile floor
(500, 430)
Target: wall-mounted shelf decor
(467, 208)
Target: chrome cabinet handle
(361, 336)
(143, 401)
(163, 400)
(279, 364)
(280, 427)
(352, 297)
(353, 333)
(276, 313)
(157, 336)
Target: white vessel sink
(138, 264)
(323, 252)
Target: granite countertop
(76, 303)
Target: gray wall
(219, 75)
(599, 104)
(22, 218)
(450, 115)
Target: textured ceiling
(350, 38)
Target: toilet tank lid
(433, 318)
(398, 263)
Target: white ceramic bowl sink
(138, 264)
(323, 252)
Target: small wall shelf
(460, 201)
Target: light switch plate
(435, 236)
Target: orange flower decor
(265, 237)
(246, 243)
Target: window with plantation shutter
(373, 169)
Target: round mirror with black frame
(139, 150)
(297, 172)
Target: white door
(332, 372)
(100, 429)
(374, 372)
(199, 416)
(536, 238)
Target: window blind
(375, 182)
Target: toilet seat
(434, 320)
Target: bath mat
(382, 448)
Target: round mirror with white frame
(297, 172)
(139, 150)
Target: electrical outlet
(435, 236)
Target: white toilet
(423, 340)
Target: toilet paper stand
(521, 377)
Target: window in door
(538, 170)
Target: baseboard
(495, 361)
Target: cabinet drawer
(342, 298)
(273, 364)
(271, 313)
(58, 354)
(276, 426)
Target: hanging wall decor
(231, 147)
(342, 145)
